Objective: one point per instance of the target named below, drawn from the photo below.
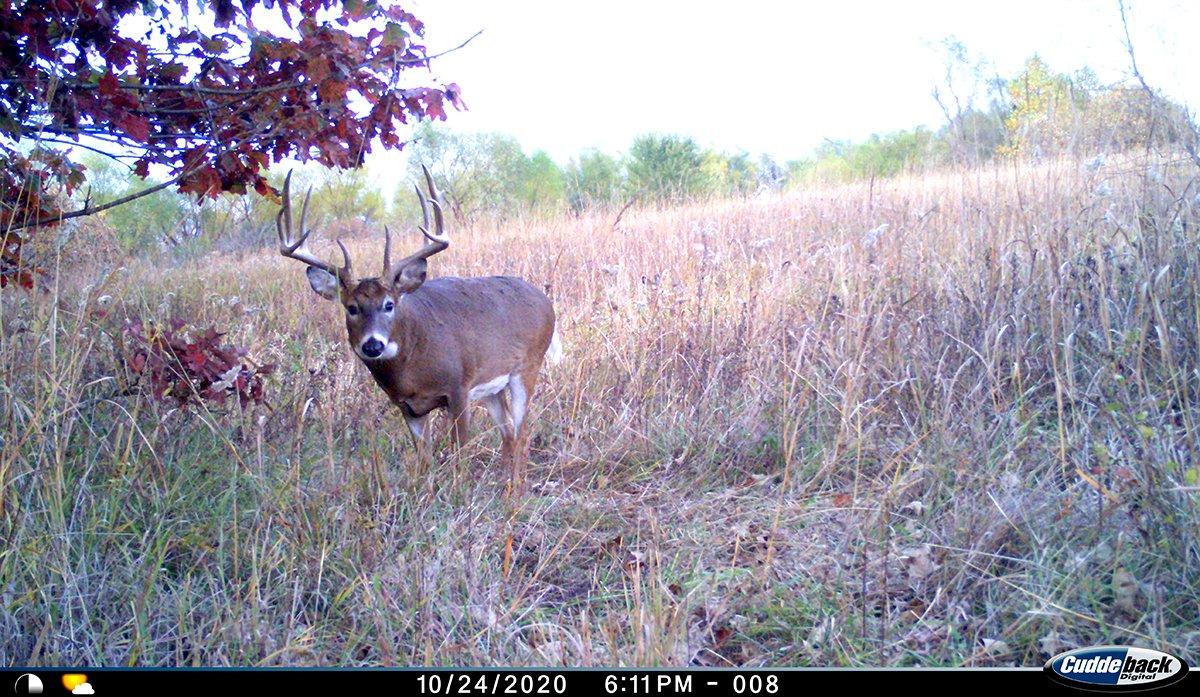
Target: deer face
(370, 306)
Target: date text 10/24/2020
(613, 683)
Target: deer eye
(389, 306)
(352, 310)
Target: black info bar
(524, 681)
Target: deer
(438, 343)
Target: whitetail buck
(443, 343)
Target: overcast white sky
(775, 77)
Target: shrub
(669, 168)
(167, 364)
(594, 179)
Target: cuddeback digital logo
(1116, 668)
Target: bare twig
(92, 210)
(235, 91)
(1155, 100)
(1129, 49)
(622, 211)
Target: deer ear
(410, 276)
(323, 283)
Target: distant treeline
(1037, 113)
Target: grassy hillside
(948, 420)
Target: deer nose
(372, 347)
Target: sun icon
(77, 684)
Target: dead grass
(947, 420)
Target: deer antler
(296, 247)
(438, 239)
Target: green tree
(879, 156)
(594, 179)
(481, 174)
(348, 195)
(738, 174)
(892, 153)
(1055, 113)
(544, 186)
(975, 136)
(668, 168)
(1043, 107)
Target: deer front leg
(461, 414)
(417, 429)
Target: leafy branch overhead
(212, 90)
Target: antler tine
(436, 199)
(294, 246)
(303, 214)
(284, 216)
(439, 225)
(433, 192)
(424, 204)
(387, 249)
(345, 257)
(425, 214)
(437, 241)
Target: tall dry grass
(947, 420)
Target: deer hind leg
(520, 387)
(497, 405)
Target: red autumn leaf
(454, 94)
(135, 127)
(721, 634)
(332, 91)
(22, 278)
(433, 106)
(317, 69)
(264, 189)
(172, 72)
(394, 36)
(109, 84)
